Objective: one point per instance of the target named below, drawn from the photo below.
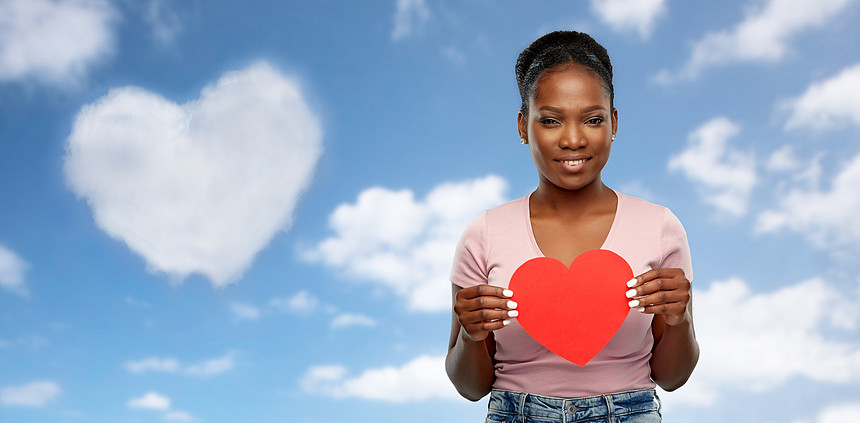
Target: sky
(225, 212)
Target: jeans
(639, 406)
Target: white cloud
(828, 218)
(205, 368)
(389, 238)
(347, 320)
(629, 15)
(12, 269)
(409, 17)
(421, 379)
(244, 311)
(150, 401)
(300, 303)
(770, 338)
(724, 174)
(763, 36)
(783, 160)
(199, 187)
(178, 416)
(33, 394)
(163, 21)
(54, 41)
(839, 413)
(827, 104)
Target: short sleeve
(470, 258)
(674, 247)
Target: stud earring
(613, 137)
(523, 141)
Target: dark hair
(558, 48)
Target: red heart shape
(573, 312)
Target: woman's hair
(557, 48)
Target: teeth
(573, 162)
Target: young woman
(569, 123)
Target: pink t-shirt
(501, 239)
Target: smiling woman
(569, 122)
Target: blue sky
(221, 211)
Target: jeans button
(571, 409)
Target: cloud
(244, 311)
(629, 15)
(763, 36)
(347, 320)
(421, 379)
(775, 343)
(300, 303)
(12, 269)
(54, 41)
(838, 413)
(825, 104)
(725, 176)
(390, 238)
(827, 217)
(410, 17)
(163, 21)
(150, 401)
(199, 187)
(211, 367)
(33, 394)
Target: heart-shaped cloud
(199, 187)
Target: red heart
(573, 312)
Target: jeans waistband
(572, 409)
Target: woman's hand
(666, 292)
(483, 308)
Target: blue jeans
(639, 406)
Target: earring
(523, 141)
(613, 137)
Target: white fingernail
(634, 303)
(631, 283)
(513, 313)
(631, 293)
(508, 293)
(506, 322)
(512, 304)
(641, 309)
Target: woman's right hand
(482, 309)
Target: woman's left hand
(666, 292)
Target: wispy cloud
(150, 401)
(12, 269)
(163, 21)
(837, 413)
(724, 174)
(199, 187)
(763, 36)
(410, 17)
(33, 394)
(242, 311)
(347, 319)
(206, 368)
(54, 42)
(301, 302)
(795, 344)
(629, 15)
(421, 379)
(828, 103)
(390, 238)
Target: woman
(569, 122)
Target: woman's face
(569, 127)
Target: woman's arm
(667, 294)
(477, 312)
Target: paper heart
(198, 187)
(575, 311)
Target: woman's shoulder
(644, 211)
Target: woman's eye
(548, 121)
(594, 121)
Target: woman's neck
(552, 199)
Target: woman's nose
(572, 138)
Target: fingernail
(631, 283)
(634, 303)
(512, 304)
(641, 309)
(631, 293)
(513, 313)
(508, 293)
(506, 322)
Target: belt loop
(610, 408)
(523, 397)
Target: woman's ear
(522, 127)
(614, 123)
